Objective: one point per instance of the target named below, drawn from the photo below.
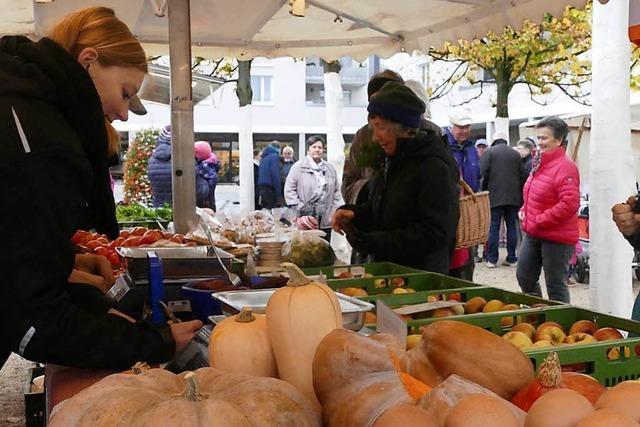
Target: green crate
(466, 293)
(382, 275)
(588, 358)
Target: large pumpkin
(449, 347)
(207, 396)
(357, 379)
(299, 316)
(240, 343)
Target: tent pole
(182, 155)
(611, 175)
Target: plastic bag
(451, 391)
(308, 249)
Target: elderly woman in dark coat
(412, 213)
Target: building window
(261, 87)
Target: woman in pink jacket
(549, 214)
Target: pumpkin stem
(191, 392)
(245, 316)
(140, 367)
(296, 276)
(550, 372)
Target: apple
(370, 318)
(493, 306)
(507, 322)
(475, 305)
(550, 333)
(542, 344)
(583, 326)
(432, 298)
(459, 309)
(380, 283)
(579, 338)
(367, 276)
(549, 323)
(353, 292)
(539, 305)
(397, 282)
(345, 275)
(455, 297)
(413, 340)
(443, 312)
(410, 290)
(399, 291)
(614, 353)
(607, 334)
(406, 317)
(519, 339)
(526, 328)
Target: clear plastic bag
(451, 391)
(308, 249)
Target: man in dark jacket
(502, 171)
(412, 212)
(269, 181)
(159, 169)
(53, 146)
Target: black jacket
(412, 214)
(53, 147)
(503, 174)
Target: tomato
(103, 240)
(125, 233)
(79, 237)
(93, 244)
(114, 259)
(132, 242)
(138, 231)
(176, 239)
(155, 233)
(101, 250)
(147, 240)
(115, 243)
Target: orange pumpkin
(357, 379)
(551, 377)
(207, 396)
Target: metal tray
(177, 262)
(353, 309)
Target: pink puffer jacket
(551, 199)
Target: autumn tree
(552, 54)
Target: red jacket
(552, 198)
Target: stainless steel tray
(177, 262)
(353, 309)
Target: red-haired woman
(58, 97)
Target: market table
(63, 382)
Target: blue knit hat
(165, 135)
(397, 103)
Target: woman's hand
(627, 221)
(95, 265)
(341, 219)
(84, 278)
(184, 332)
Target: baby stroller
(580, 269)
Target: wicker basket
(475, 217)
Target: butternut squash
(241, 343)
(450, 347)
(299, 316)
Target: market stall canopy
(329, 28)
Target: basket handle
(467, 189)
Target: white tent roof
(330, 28)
